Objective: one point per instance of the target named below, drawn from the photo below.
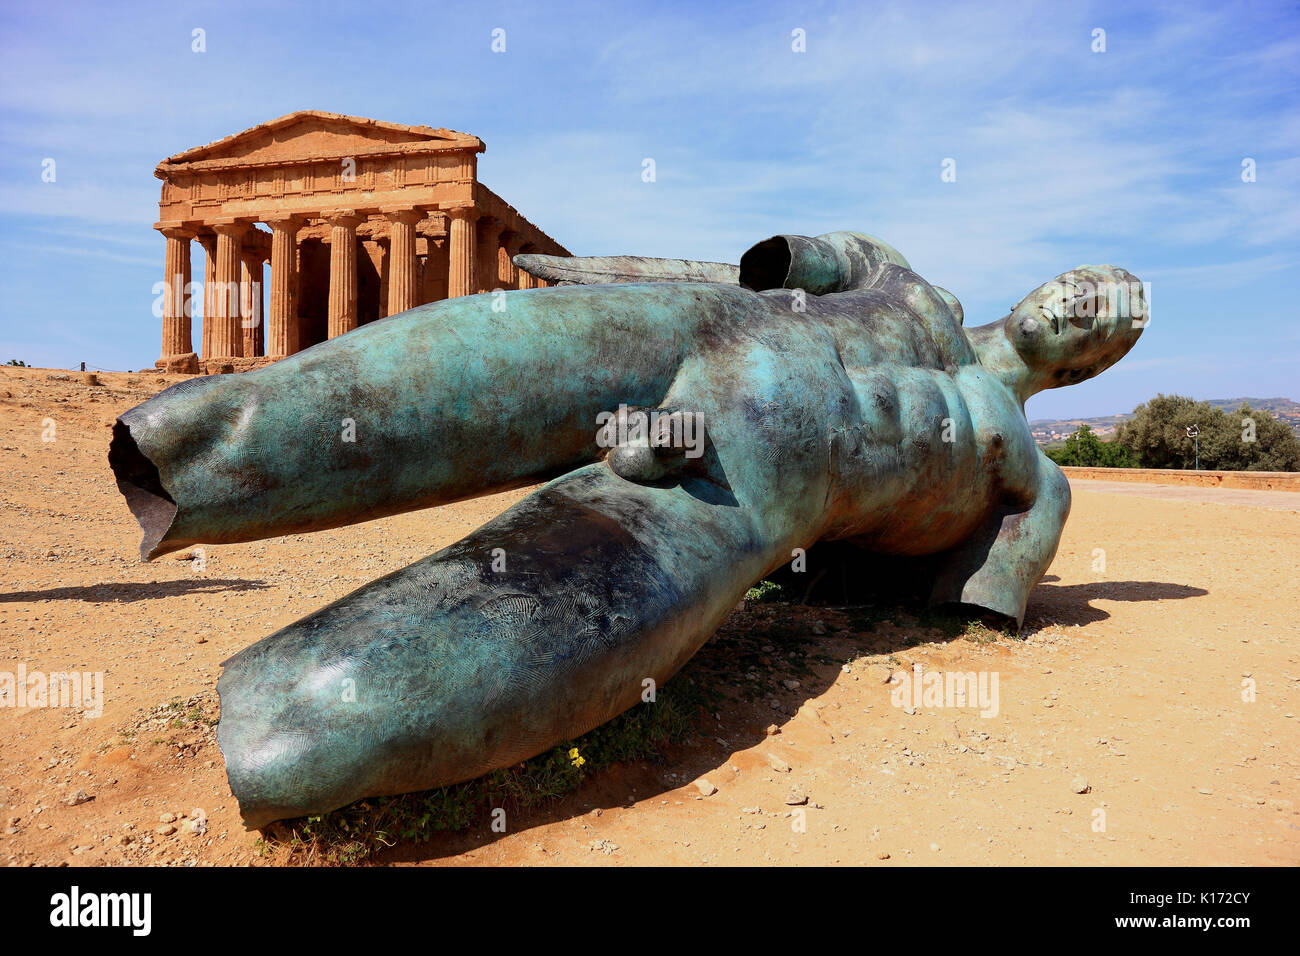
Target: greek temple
(358, 219)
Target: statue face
(1079, 324)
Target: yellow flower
(577, 758)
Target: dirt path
(1131, 675)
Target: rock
(705, 788)
(167, 818)
(198, 823)
(187, 364)
(882, 855)
(165, 830)
(772, 730)
(790, 684)
(796, 799)
(818, 627)
(78, 798)
(89, 378)
(777, 764)
(1080, 784)
(934, 848)
(880, 673)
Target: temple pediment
(309, 134)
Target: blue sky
(1064, 156)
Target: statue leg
(551, 619)
(1001, 563)
(546, 622)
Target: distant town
(1053, 431)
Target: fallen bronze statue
(701, 424)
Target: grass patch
(355, 832)
(767, 591)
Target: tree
(1084, 449)
(1246, 440)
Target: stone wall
(1252, 480)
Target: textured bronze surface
(834, 396)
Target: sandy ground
(1163, 683)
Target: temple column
(176, 293)
(526, 279)
(209, 244)
(281, 327)
(402, 273)
(227, 336)
(343, 272)
(250, 303)
(507, 271)
(460, 252)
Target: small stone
(882, 855)
(790, 684)
(772, 730)
(777, 764)
(165, 830)
(1080, 784)
(167, 818)
(934, 848)
(796, 799)
(706, 789)
(78, 798)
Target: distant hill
(1050, 431)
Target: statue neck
(996, 353)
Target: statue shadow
(1071, 604)
(764, 664)
(130, 591)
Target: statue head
(1079, 324)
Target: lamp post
(1193, 432)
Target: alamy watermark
(935, 689)
(80, 690)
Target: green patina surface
(838, 398)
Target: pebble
(166, 829)
(1080, 784)
(777, 764)
(706, 788)
(78, 798)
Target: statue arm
(1000, 563)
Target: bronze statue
(821, 391)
